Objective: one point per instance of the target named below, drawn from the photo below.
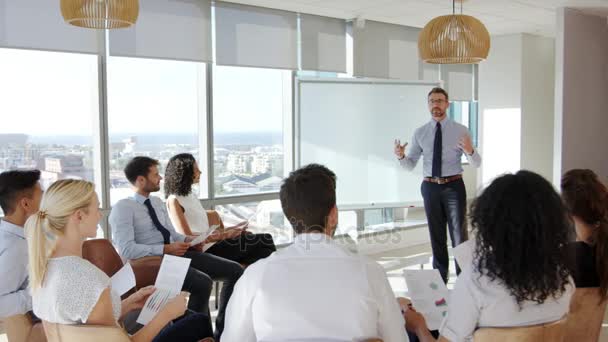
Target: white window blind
(38, 24)
(167, 29)
(323, 43)
(255, 36)
(386, 51)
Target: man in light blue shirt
(20, 195)
(141, 227)
(441, 143)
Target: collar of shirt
(312, 238)
(317, 244)
(10, 228)
(139, 198)
(444, 123)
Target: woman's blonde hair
(58, 203)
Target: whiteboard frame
(296, 149)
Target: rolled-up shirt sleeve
(123, 234)
(474, 159)
(412, 156)
(15, 297)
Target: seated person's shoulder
(12, 246)
(373, 268)
(123, 204)
(71, 290)
(156, 200)
(73, 278)
(79, 270)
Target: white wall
(519, 74)
(537, 117)
(499, 89)
(581, 117)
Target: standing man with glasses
(441, 142)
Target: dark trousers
(204, 269)
(245, 249)
(445, 204)
(192, 327)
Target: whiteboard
(350, 125)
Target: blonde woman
(68, 289)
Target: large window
(263, 217)
(501, 126)
(156, 108)
(466, 113)
(49, 107)
(249, 106)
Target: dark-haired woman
(586, 199)
(518, 276)
(189, 217)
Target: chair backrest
(19, 328)
(549, 332)
(102, 254)
(90, 333)
(586, 315)
(146, 269)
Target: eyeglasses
(438, 101)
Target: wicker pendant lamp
(454, 39)
(100, 14)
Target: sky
(50, 93)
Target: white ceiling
(499, 16)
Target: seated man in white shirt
(313, 289)
(20, 194)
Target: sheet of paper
(155, 302)
(169, 282)
(172, 273)
(123, 280)
(429, 295)
(463, 253)
(202, 237)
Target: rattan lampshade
(454, 39)
(100, 14)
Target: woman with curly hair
(518, 276)
(190, 218)
(586, 198)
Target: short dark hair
(179, 175)
(307, 197)
(521, 230)
(439, 90)
(139, 166)
(14, 184)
